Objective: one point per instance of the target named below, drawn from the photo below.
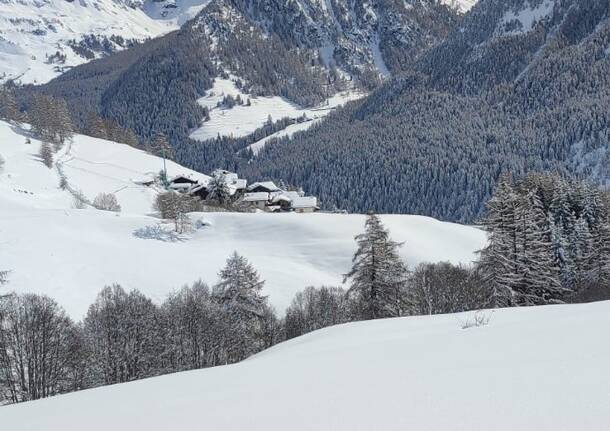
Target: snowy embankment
(242, 120)
(542, 369)
(71, 254)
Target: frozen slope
(72, 254)
(542, 369)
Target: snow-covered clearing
(523, 20)
(287, 132)
(541, 369)
(242, 120)
(462, 6)
(71, 254)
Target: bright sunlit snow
(32, 31)
(241, 120)
(543, 369)
(72, 254)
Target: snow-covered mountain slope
(529, 369)
(70, 254)
(39, 39)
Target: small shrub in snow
(63, 181)
(79, 200)
(2, 163)
(106, 202)
(479, 318)
(3, 277)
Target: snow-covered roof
(269, 185)
(256, 197)
(180, 186)
(305, 202)
(198, 187)
(182, 176)
(240, 183)
(280, 198)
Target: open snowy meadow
(541, 369)
(71, 254)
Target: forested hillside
(298, 51)
(518, 86)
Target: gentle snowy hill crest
(518, 372)
(96, 248)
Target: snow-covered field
(543, 369)
(242, 120)
(71, 254)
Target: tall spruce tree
(238, 291)
(378, 274)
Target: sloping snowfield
(241, 120)
(31, 31)
(542, 369)
(71, 254)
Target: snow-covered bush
(479, 318)
(2, 163)
(3, 277)
(106, 202)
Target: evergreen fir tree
(46, 154)
(378, 274)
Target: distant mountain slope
(300, 51)
(77, 252)
(529, 369)
(40, 39)
(517, 86)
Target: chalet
(305, 204)
(282, 201)
(257, 199)
(200, 190)
(183, 179)
(182, 183)
(265, 186)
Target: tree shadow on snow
(159, 233)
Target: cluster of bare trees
(125, 336)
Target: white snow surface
(542, 369)
(526, 17)
(32, 30)
(462, 6)
(242, 120)
(70, 254)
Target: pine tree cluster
(548, 240)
